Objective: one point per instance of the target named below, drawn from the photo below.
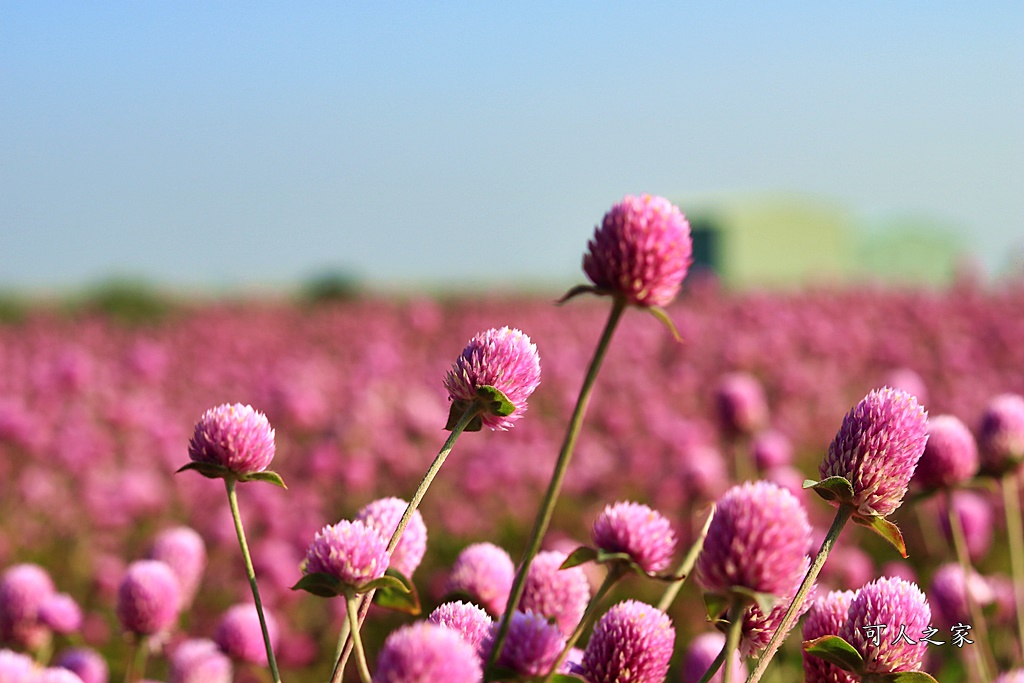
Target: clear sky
(227, 144)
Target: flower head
(350, 551)
(877, 448)
(427, 653)
(758, 627)
(974, 511)
(1001, 433)
(702, 652)
(384, 515)
(1015, 676)
(483, 572)
(949, 590)
(184, 551)
(148, 598)
(559, 594)
(950, 456)
(61, 613)
(54, 674)
(641, 251)
(742, 407)
(16, 667)
(631, 642)
(24, 588)
(772, 449)
(532, 645)
(240, 636)
(235, 437)
(87, 663)
(468, 620)
(504, 359)
(826, 616)
(632, 528)
(895, 603)
(199, 661)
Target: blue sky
(231, 144)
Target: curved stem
(1015, 536)
(547, 507)
(686, 566)
(251, 573)
(611, 578)
(985, 664)
(732, 640)
(843, 515)
(357, 642)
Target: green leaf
(581, 555)
(659, 313)
(455, 413)
(267, 476)
(580, 289)
(208, 470)
(320, 583)
(385, 583)
(838, 489)
(765, 601)
(495, 401)
(566, 678)
(716, 605)
(395, 592)
(837, 651)
(885, 529)
(907, 677)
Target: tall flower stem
(686, 566)
(357, 642)
(732, 640)
(611, 578)
(547, 507)
(1015, 533)
(229, 483)
(472, 411)
(136, 659)
(985, 660)
(843, 515)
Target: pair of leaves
(393, 590)
(621, 562)
(836, 650)
(490, 399)
(718, 605)
(212, 471)
(658, 312)
(839, 490)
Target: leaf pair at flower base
(839, 490)
(505, 675)
(658, 312)
(393, 590)
(837, 651)
(619, 562)
(491, 400)
(212, 471)
(718, 605)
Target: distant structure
(785, 241)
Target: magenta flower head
(772, 449)
(976, 519)
(239, 636)
(702, 652)
(949, 590)
(148, 598)
(351, 553)
(641, 251)
(483, 572)
(897, 604)
(16, 667)
(504, 359)
(233, 441)
(1001, 434)
(56, 674)
(741, 405)
(532, 646)
(637, 530)
(384, 515)
(199, 661)
(950, 456)
(631, 642)
(24, 588)
(826, 617)
(559, 594)
(87, 663)
(427, 653)
(61, 613)
(468, 620)
(1015, 676)
(184, 551)
(877, 449)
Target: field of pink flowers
(96, 415)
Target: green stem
(472, 411)
(357, 641)
(732, 639)
(229, 483)
(985, 664)
(133, 655)
(843, 515)
(611, 578)
(547, 507)
(716, 664)
(687, 565)
(1015, 536)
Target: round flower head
(427, 653)
(758, 539)
(61, 613)
(641, 251)
(532, 646)
(559, 594)
(772, 449)
(384, 515)
(468, 620)
(826, 616)
(56, 675)
(184, 551)
(87, 663)
(1001, 433)
(148, 598)
(483, 572)
(742, 407)
(23, 590)
(199, 661)
(504, 359)
(16, 667)
(236, 437)
(644, 534)
(1015, 676)
(975, 514)
(951, 455)
(631, 642)
(897, 604)
(702, 652)
(240, 637)
(948, 594)
(352, 552)
(877, 449)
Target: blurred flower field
(96, 415)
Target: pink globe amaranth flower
(23, 590)
(87, 663)
(948, 591)
(384, 515)
(61, 613)
(758, 540)
(772, 449)
(236, 437)
(1015, 676)
(895, 603)
(637, 530)
(877, 449)
(631, 642)
(239, 636)
(468, 620)
(427, 653)
(741, 405)
(641, 251)
(1001, 433)
(183, 550)
(502, 358)
(57, 675)
(559, 594)
(531, 647)
(909, 381)
(826, 617)
(950, 456)
(758, 628)
(976, 519)
(199, 661)
(16, 667)
(351, 551)
(483, 572)
(702, 652)
(148, 598)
